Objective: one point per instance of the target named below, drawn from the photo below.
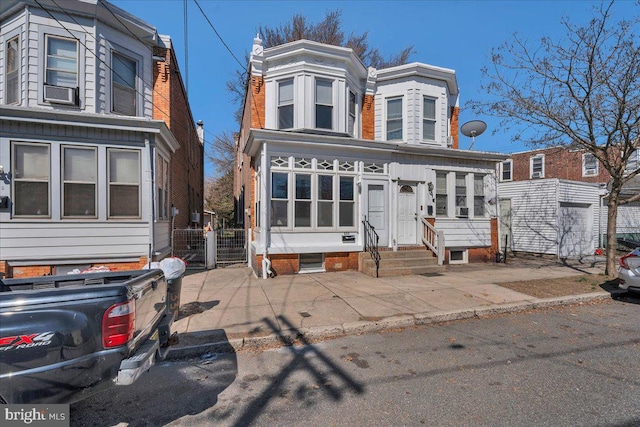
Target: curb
(318, 333)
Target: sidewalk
(231, 308)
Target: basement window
(312, 263)
(458, 256)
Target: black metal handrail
(371, 242)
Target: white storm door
(407, 215)
(376, 212)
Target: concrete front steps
(401, 263)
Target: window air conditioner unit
(462, 212)
(195, 216)
(590, 172)
(60, 94)
(536, 175)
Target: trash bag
(151, 265)
(173, 267)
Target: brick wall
(187, 163)
(341, 261)
(559, 162)
(368, 117)
(455, 113)
(46, 270)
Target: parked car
(63, 338)
(629, 271)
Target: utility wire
(219, 36)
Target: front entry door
(376, 211)
(407, 215)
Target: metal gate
(191, 246)
(231, 246)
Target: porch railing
(371, 242)
(433, 239)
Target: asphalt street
(565, 366)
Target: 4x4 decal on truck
(25, 341)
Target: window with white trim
(536, 166)
(441, 194)
(124, 183)
(31, 179)
(461, 190)
(589, 164)
(428, 119)
(285, 104)
(351, 119)
(279, 199)
(394, 119)
(324, 104)
(12, 71)
(123, 84)
(162, 188)
(61, 67)
(347, 202)
(79, 182)
(478, 195)
(302, 200)
(325, 201)
(506, 170)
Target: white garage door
(575, 231)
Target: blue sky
(450, 34)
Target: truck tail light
(118, 324)
(623, 260)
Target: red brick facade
(455, 113)
(368, 117)
(559, 162)
(36, 270)
(171, 105)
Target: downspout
(266, 262)
(152, 212)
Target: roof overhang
(258, 136)
(88, 120)
(418, 69)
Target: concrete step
(403, 262)
(423, 253)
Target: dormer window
(394, 119)
(123, 72)
(285, 104)
(429, 119)
(324, 104)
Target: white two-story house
(329, 149)
(85, 167)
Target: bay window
(162, 188)
(62, 62)
(324, 104)
(429, 119)
(279, 199)
(351, 120)
(32, 177)
(79, 181)
(123, 81)
(302, 203)
(285, 104)
(12, 73)
(325, 200)
(124, 183)
(394, 119)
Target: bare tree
(582, 90)
(219, 188)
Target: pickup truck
(63, 338)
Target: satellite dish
(472, 129)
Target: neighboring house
(554, 201)
(96, 138)
(327, 145)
